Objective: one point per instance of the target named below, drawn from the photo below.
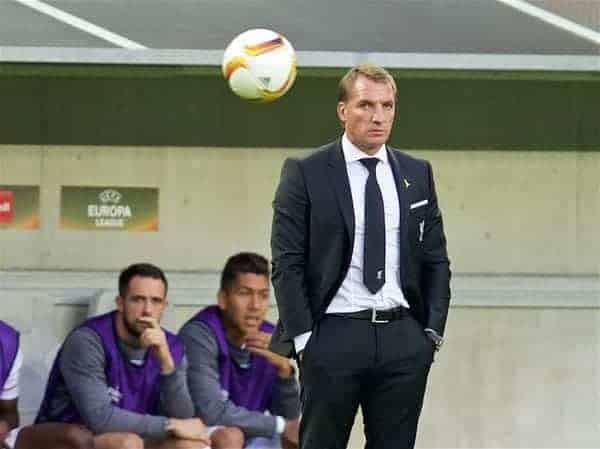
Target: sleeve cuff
(432, 331)
(436, 338)
(279, 425)
(301, 340)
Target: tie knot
(370, 163)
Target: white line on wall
(554, 19)
(82, 24)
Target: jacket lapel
(402, 184)
(338, 176)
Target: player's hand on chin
(154, 337)
(258, 340)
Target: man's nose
(255, 302)
(148, 307)
(378, 114)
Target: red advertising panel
(7, 206)
(19, 207)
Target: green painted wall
(183, 106)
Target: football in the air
(259, 65)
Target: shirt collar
(353, 154)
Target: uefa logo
(110, 196)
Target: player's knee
(77, 437)
(187, 444)
(131, 441)
(228, 438)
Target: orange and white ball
(259, 65)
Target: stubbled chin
(377, 140)
(134, 330)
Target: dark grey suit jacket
(312, 238)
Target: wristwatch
(436, 338)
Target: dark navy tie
(374, 251)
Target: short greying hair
(371, 71)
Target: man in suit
(361, 274)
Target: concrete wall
(516, 378)
(505, 212)
(522, 363)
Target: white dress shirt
(353, 295)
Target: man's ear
(341, 112)
(119, 303)
(222, 299)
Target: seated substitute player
(43, 436)
(234, 380)
(123, 376)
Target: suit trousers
(382, 367)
